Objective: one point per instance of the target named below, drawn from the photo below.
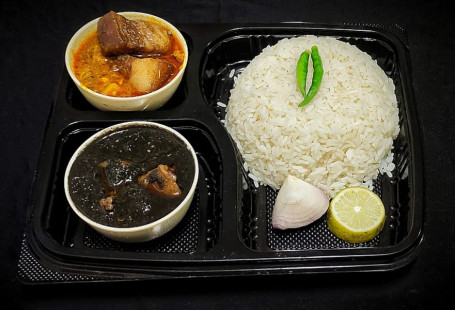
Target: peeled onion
(298, 204)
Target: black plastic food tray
(227, 230)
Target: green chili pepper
(318, 72)
(302, 71)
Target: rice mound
(337, 140)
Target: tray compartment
(218, 69)
(69, 234)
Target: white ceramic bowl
(150, 101)
(151, 230)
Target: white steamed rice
(339, 139)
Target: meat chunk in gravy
(148, 74)
(119, 35)
(161, 180)
(144, 74)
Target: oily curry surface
(107, 74)
(115, 181)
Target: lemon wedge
(356, 214)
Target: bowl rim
(71, 49)
(112, 128)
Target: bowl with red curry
(127, 61)
(133, 181)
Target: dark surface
(34, 36)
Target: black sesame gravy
(139, 150)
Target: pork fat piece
(119, 35)
(148, 74)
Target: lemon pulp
(356, 214)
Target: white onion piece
(298, 204)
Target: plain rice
(339, 139)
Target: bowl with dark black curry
(133, 181)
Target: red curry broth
(96, 72)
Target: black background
(33, 38)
